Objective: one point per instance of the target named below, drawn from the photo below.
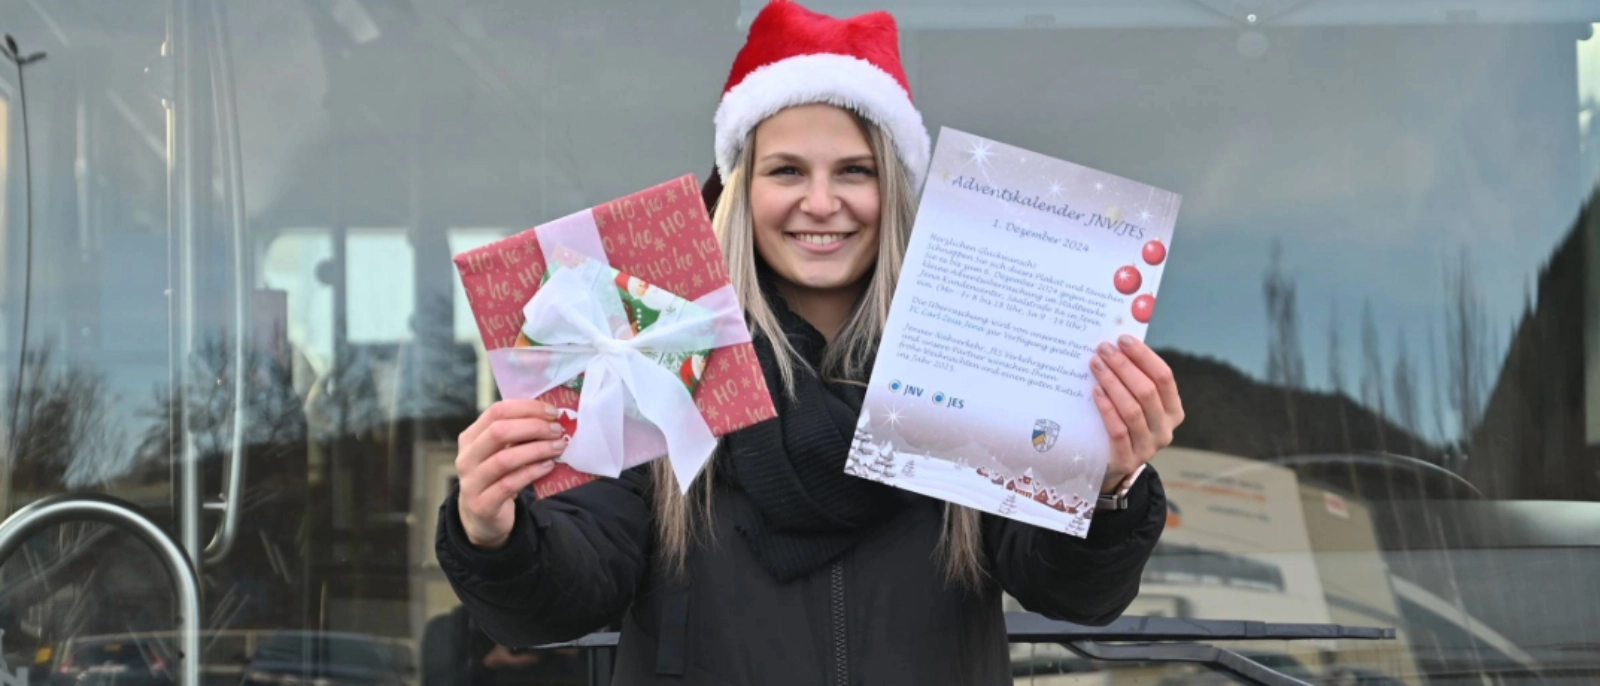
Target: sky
(1379, 158)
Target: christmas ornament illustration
(1128, 280)
(1143, 307)
(1155, 253)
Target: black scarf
(806, 511)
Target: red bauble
(1155, 253)
(1143, 307)
(1128, 279)
(568, 421)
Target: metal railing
(232, 159)
(200, 57)
(54, 510)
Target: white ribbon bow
(580, 326)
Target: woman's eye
(789, 170)
(858, 169)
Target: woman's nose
(820, 200)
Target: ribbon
(631, 409)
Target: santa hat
(795, 56)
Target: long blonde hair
(848, 357)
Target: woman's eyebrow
(782, 156)
(792, 158)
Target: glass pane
(1383, 306)
(465, 327)
(381, 293)
(290, 267)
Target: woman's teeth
(820, 238)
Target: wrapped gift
(621, 316)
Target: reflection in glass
(380, 294)
(291, 265)
(1382, 307)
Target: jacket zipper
(841, 646)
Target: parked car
(311, 658)
(119, 660)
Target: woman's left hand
(1138, 399)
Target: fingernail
(1126, 340)
(551, 412)
(1098, 364)
(1099, 392)
(557, 427)
(562, 444)
(1106, 350)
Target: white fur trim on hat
(839, 80)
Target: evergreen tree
(884, 467)
(860, 447)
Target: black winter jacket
(874, 611)
(582, 561)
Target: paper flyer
(1018, 267)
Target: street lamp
(14, 55)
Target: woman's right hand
(513, 444)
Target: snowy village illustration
(1022, 496)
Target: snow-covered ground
(948, 481)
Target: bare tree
(1466, 346)
(1336, 370)
(1405, 387)
(1285, 361)
(1335, 352)
(1372, 370)
(1437, 382)
(64, 429)
(272, 409)
(441, 374)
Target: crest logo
(1044, 434)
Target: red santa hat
(795, 56)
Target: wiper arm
(1176, 642)
(1220, 659)
(1026, 627)
(1176, 636)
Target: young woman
(778, 568)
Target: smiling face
(814, 198)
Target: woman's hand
(514, 443)
(1138, 399)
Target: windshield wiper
(1156, 639)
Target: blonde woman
(778, 568)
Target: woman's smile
(821, 243)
